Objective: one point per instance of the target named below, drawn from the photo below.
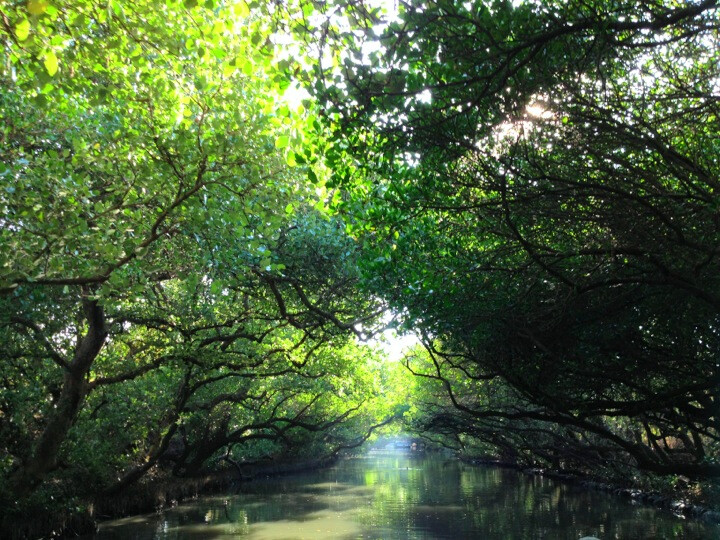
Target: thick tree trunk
(200, 453)
(136, 473)
(43, 458)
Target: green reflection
(402, 496)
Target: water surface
(404, 496)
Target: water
(402, 496)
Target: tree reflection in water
(398, 495)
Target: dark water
(399, 496)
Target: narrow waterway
(396, 495)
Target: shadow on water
(398, 495)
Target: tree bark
(43, 458)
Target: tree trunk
(43, 458)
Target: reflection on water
(400, 496)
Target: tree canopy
(535, 188)
(175, 293)
(206, 208)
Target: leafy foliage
(174, 292)
(190, 255)
(535, 188)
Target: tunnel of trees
(207, 209)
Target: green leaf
(22, 30)
(37, 7)
(241, 9)
(282, 141)
(51, 63)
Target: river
(397, 495)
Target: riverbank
(678, 506)
(151, 494)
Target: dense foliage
(536, 188)
(191, 253)
(174, 294)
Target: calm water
(399, 496)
